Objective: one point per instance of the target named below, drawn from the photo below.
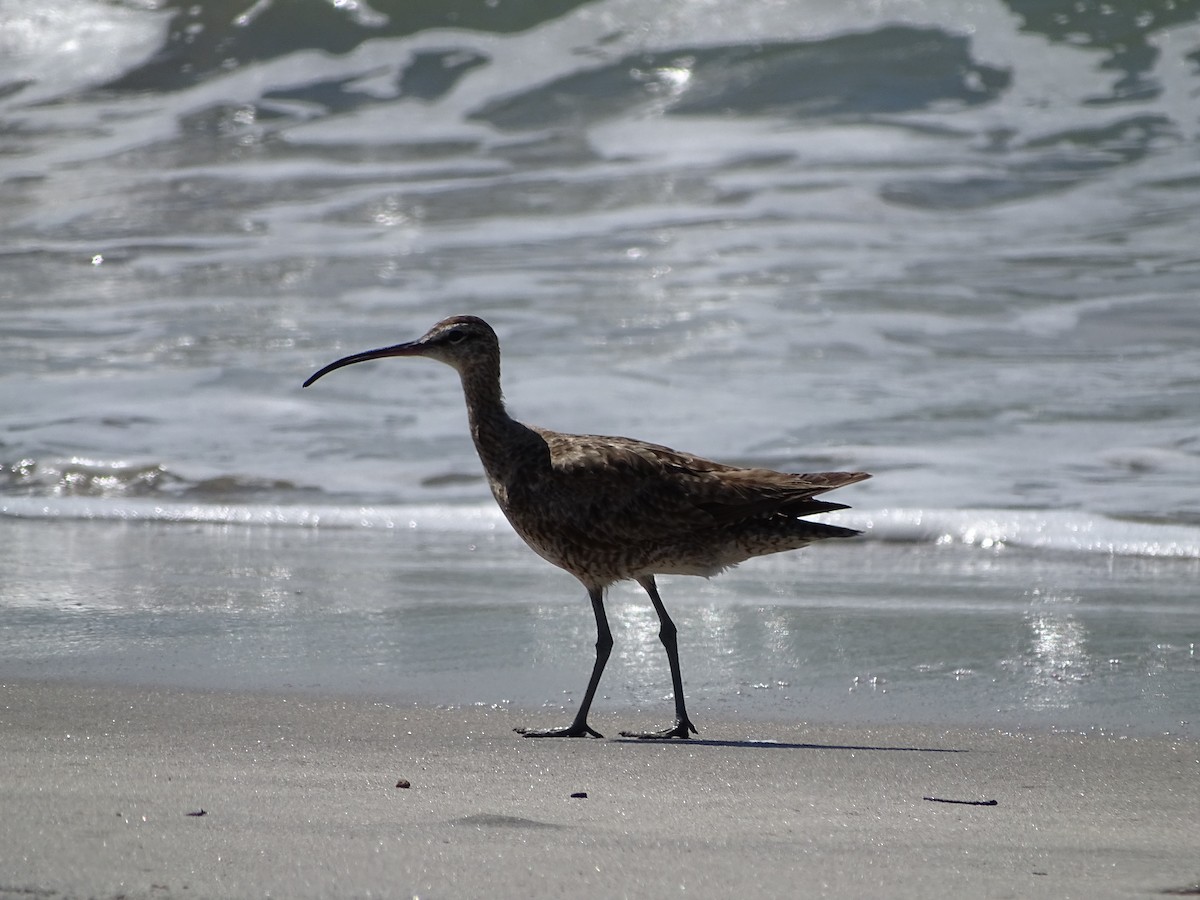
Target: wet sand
(102, 790)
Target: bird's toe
(581, 729)
(682, 729)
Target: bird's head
(465, 342)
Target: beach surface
(127, 792)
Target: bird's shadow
(781, 745)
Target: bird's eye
(456, 336)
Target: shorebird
(607, 509)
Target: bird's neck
(499, 438)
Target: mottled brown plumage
(607, 509)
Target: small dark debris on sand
(964, 802)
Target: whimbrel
(607, 509)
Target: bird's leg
(604, 642)
(683, 726)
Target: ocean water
(954, 245)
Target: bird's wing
(642, 491)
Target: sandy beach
(103, 788)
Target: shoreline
(864, 634)
(103, 783)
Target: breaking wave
(989, 529)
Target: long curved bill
(411, 348)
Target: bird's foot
(682, 729)
(575, 729)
